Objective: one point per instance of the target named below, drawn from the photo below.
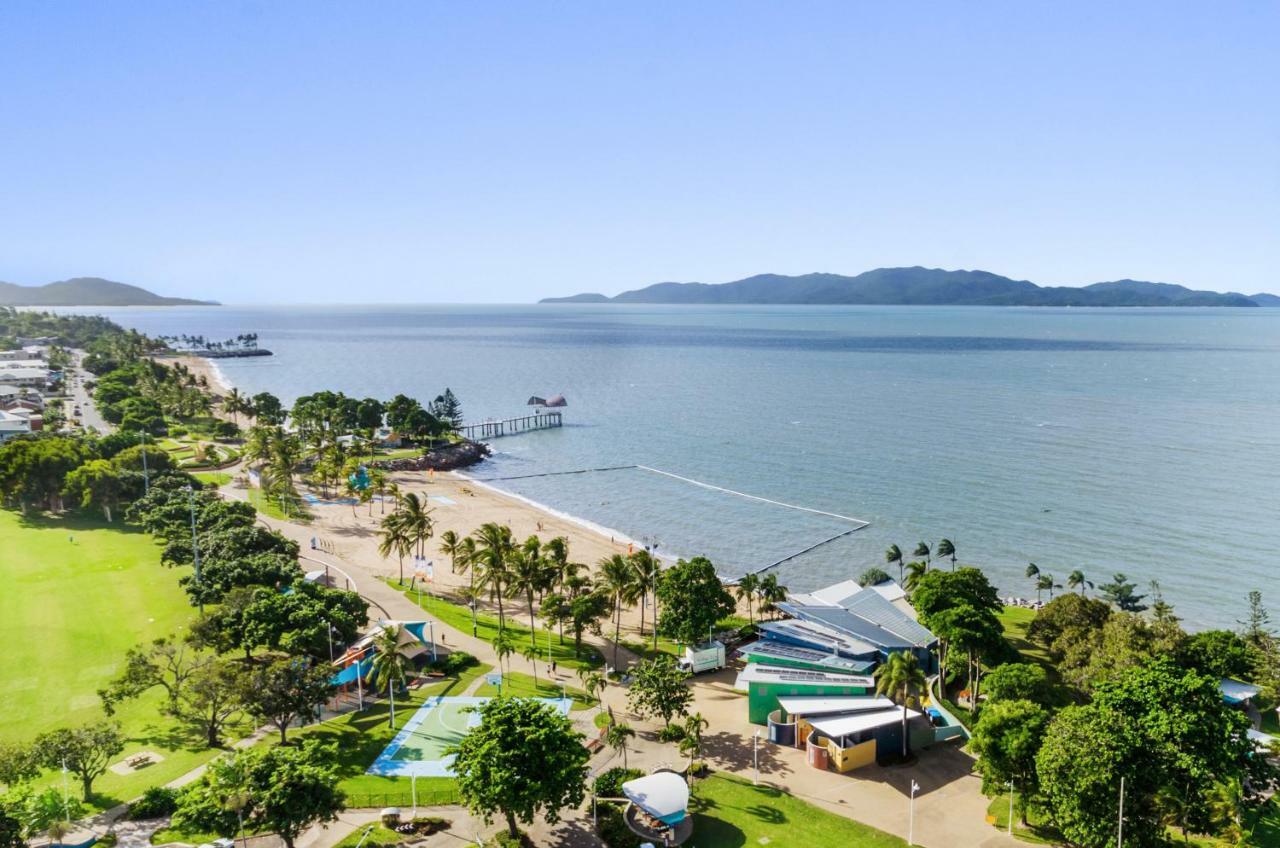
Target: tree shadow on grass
(75, 521)
(736, 753)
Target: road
(89, 415)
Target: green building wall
(762, 696)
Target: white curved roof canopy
(663, 795)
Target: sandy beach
(458, 504)
(202, 367)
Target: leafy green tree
(166, 662)
(213, 697)
(1085, 753)
(873, 576)
(1219, 653)
(47, 813)
(658, 688)
(586, 611)
(286, 689)
(19, 763)
(1256, 627)
(693, 600)
(1017, 682)
(1006, 739)
(96, 484)
(299, 622)
(282, 790)
(11, 835)
(523, 760)
(292, 788)
(267, 409)
(901, 679)
(1067, 621)
(1121, 593)
(85, 751)
(33, 470)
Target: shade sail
(663, 795)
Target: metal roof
(780, 650)
(838, 726)
(870, 618)
(840, 705)
(755, 672)
(819, 637)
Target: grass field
(76, 595)
(729, 812)
(214, 478)
(522, 686)
(360, 738)
(459, 618)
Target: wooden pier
(512, 426)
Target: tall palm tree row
(617, 580)
(494, 550)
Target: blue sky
(464, 152)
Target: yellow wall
(848, 759)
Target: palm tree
(467, 555)
(1076, 580)
(893, 556)
(947, 549)
(691, 744)
(530, 652)
(1032, 572)
(593, 683)
(748, 585)
(616, 738)
(923, 549)
(503, 646)
(451, 546)
(394, 538)
(617, 579)
(1044, 582)
(915, 573)
(526, 575)
(235, 403)
(492, 562)
(417, 520)
(389, 665)
(771, 593)
(648, 571)
(901, 679)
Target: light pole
(195, 547)
(146, 476)
(755, 755)
(1120, 818)
(1010, 785)
(911, 814)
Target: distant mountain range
(88, 291)
(923, 287)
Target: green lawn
(1015, 621)
(379, 837)
(522, 686)
(730, 812)
(271, 507)
(458, 617)
(214, 478)
(77, 594)
(361, 736)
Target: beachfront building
(30, 377)
(765, 684)
(26, 353)
(863, 623)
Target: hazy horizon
(289, 153)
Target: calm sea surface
(1144, 441)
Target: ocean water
(1145, 441)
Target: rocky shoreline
(446, 458)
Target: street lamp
(755, 752)
(1010, 785)
(911, 814)
(195, 547)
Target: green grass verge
(213, 478)
(1036, 831)
(458, 617)
(730, 812)
(361, 736)
(78, 593)
(379, 837)
(271, 507)
(522, 686)
(1015, 621)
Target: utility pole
(1120, 818)
(195, 547)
